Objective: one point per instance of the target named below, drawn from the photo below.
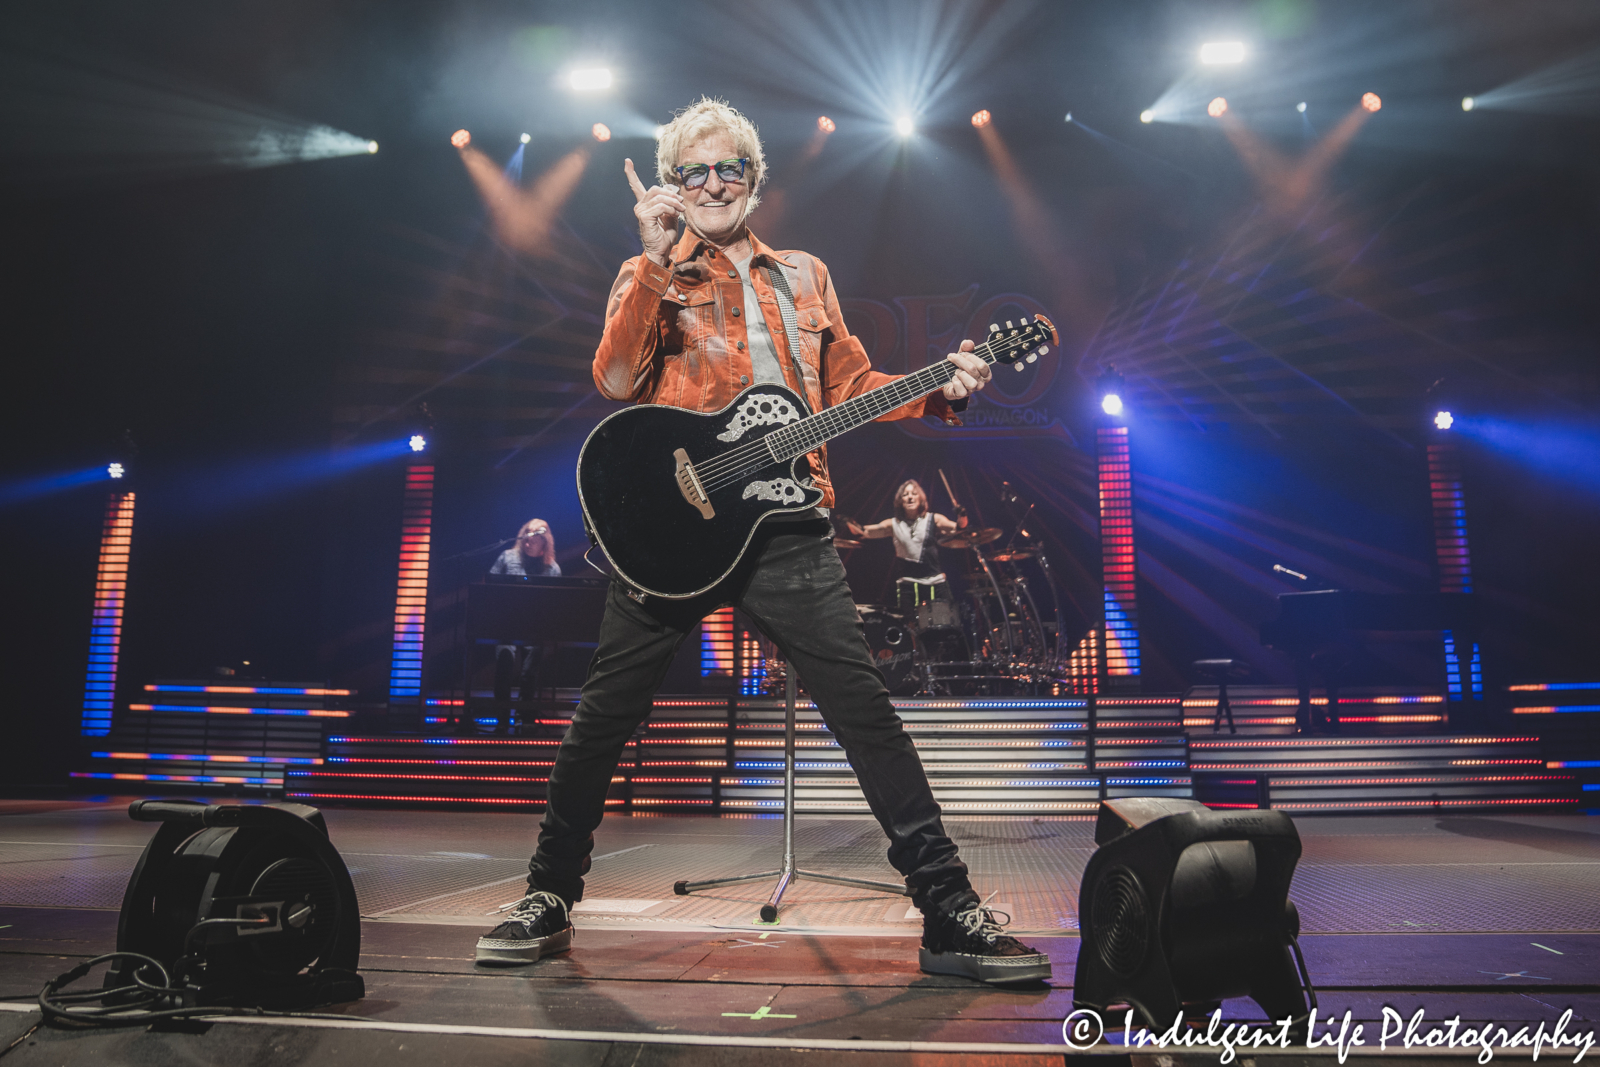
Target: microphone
(1281, 569)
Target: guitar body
(652, 522)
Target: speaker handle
(169, 811)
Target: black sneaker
(968, 940)
(538, 926)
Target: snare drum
(939, 615)
(928, 605)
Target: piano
(511, 608)
(1325, 630)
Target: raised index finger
(633, 180)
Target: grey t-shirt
(764, 365)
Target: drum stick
(951, 492)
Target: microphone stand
(789, 872)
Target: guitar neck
(812, 431)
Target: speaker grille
(1121, 921)
(298, 878)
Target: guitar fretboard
(814, 430)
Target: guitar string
(738, 461)
(796, 440)
(840, 418)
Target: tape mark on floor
(763, 1012)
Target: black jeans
(792, 584)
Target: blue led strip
(1118, 560)
(1454, 559)
(1452, 666)
(411, 596)
(105, 632)
(716, 643)
(1554, 687)
(171, 757)
(200, 778)
(257, 690)
(219, 709)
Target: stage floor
(1489, 917)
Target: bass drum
(893, 651)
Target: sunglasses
(695, 174)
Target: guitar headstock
(1021, 342)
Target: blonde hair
(549, 556)
(700, 120)
(923, 493)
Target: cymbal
(1014, 555)
(971, 538)
(845, 542)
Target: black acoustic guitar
(673, 496)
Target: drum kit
(977, 630)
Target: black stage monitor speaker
(1182, 907)
(246, 905)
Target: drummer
(916, 531)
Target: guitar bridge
(689, 485)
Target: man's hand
(972, 373)
(657, 210)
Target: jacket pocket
(813, 323)
(696, 320)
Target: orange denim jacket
(676, 336)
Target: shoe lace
(531, 908)
(982, 921)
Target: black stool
(1222, 671)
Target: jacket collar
(690, 246)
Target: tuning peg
(1017, 367)
(1044, 350)
(993, 328)
(1009, 326)
(1033, 357)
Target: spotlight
(825, 124)
(525, 138)
(1444, 420)
(1371, 101)
(658, 132)
(115, 470)
(1110, 385)
(461, 138)
(1147, 116)
(905, 126)
(981, 119)
(1217, 108)
(601, 132)
(1214, 53)
(372, 148)
(1301, 107)
(1467, 103)
(1068, 118)
(418, 442)
(590, 80)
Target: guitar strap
(791, 325)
